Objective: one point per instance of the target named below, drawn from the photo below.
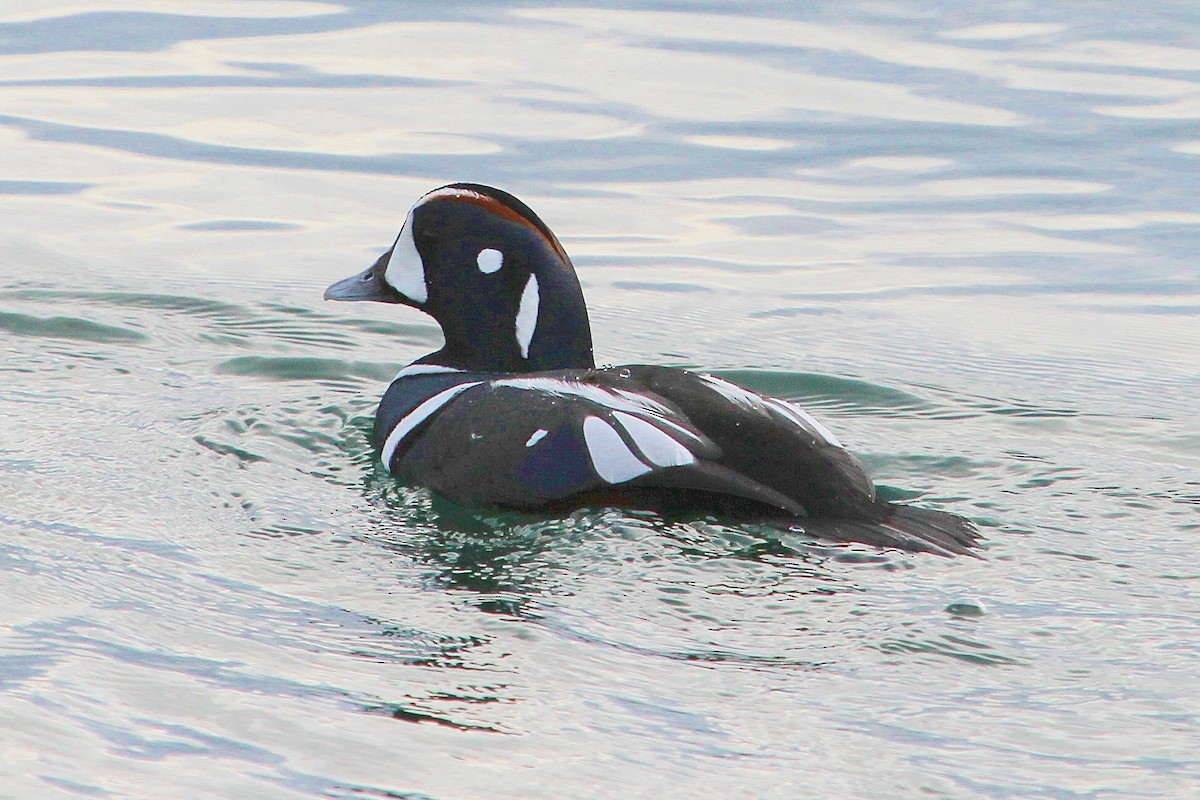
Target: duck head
(491, 273)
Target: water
(965, 237)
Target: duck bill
(366, 285)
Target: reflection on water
(964, 237)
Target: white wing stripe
(804, 420)
(613, 399)
(676, 426)
(617, 401)
(415, 417)
(657, 446)
(527, 315)
(743, 397)
(611, 458)
(736, 394)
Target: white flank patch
(415, 417)
(423, 369)
(405, 270)
(527, 314)
(804, 420)
(489, 260)
(736, 394)
(655, 445)
(538, 435)
(611, 458)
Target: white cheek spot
(405, 270)
(489, 260)
(657, 446)
(527, 315)
(537, 436)
(611, 458)
(415, 417)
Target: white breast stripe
(804, 420)
(405, 271)
(527, 315)
(611, 458)
(655, 445)
(489, 260)
(423, 369)
(415, 417)
(537, 436)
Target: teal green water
(964, 238)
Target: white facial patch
(489, 260)
(405, 270)
(527, 314)
(537, 436)
(611, 457)
(805, 420)
(657, 446)
(415, 417)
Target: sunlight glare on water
(963, 237)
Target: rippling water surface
(964, 235)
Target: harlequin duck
(512, 411)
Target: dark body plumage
(511, 412)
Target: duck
(513, 413)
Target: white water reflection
(573, 76)
(29, 10)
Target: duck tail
(946, 533)
(917, 530)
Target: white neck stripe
(527, 315)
